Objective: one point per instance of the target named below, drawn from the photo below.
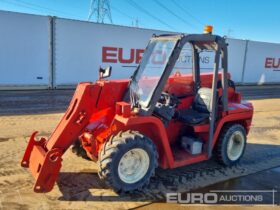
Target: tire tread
(110, 149)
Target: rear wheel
(231, 144)
(127, 161)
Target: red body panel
(153, 128)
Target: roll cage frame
(197, 42)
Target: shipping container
(49, 52)
(25, 51)
(80, 48)
(262, 64)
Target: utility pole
(100, 9)
(135, 23)
(229, 33)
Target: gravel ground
(78, 186)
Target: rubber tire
(78, 149)
(221, 146)
(111, 154)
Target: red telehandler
(160, 117)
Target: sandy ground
(78, 186)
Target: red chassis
(97, 112)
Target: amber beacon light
(208, 29)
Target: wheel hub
(133, 165)
(235, 146)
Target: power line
(176, 3)
(172, 13)
(135, 21)
(23, 6)
(121, 12)
(37, 7)
(138, 7)
(20, 5)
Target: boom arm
(43, 157)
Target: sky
(242, 19)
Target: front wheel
(127, 161)
(231, 144)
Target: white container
(25, 50)
(191, 145)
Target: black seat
(192, 117)
(199, 113)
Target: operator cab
(161, 85)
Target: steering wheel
(169, 99)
